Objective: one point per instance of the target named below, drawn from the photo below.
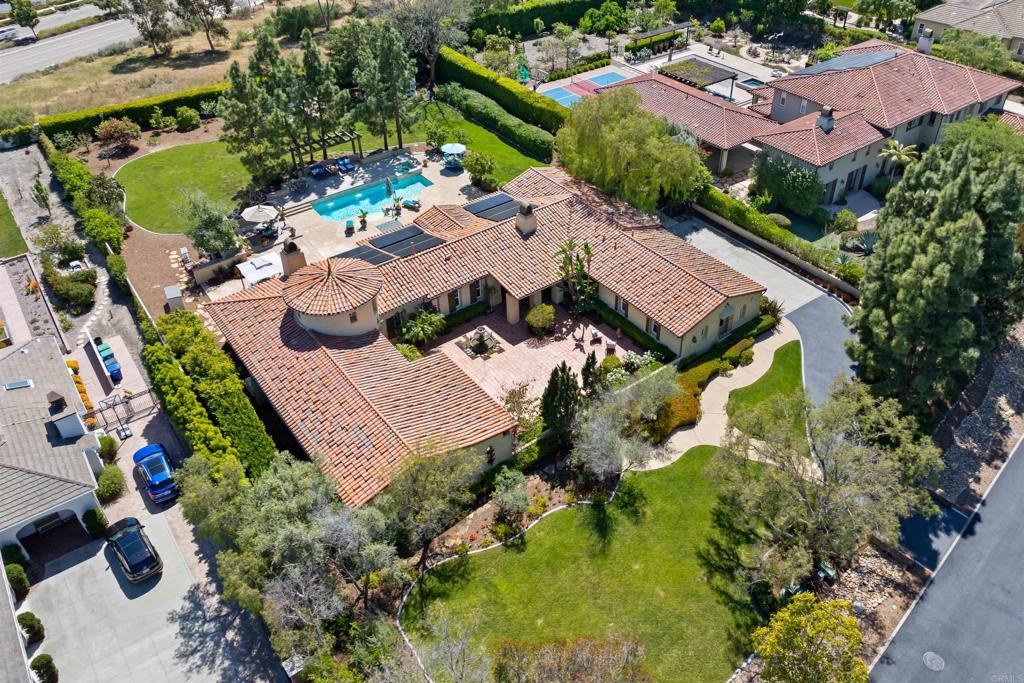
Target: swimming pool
(607, 78)
(752, 83)
(370, 198)
(562, 96)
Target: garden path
(710, 429)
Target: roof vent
(826, 121)
(526, 221)
(924, 43)
(56, 401)
(292, 258)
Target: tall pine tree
(560, 404)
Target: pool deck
(626, 71)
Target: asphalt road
(50, 20)
(22, 60)
(969, 624)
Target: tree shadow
(631, 499)
(190, 60)
(438, 584)
(601, 522)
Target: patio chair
(595, 335)
(350, 228)
(610, 348)
(413, 204)
(344, 165)
(319, 172)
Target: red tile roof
(700, 264)
(715, 121)
(332, 286)
(899, 89)
(804, 139)
(353, 403)
(1014, 120)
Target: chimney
(526, 222)
(825, 120)
(924, 43)
(292, 257)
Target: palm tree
(899, 154)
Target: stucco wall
(78, 505)
(342, 324)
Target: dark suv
(135, 553)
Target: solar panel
(414, 245)
(501, 211)
(843, 62)
(389, 238)
(478, 207)
(368, 254)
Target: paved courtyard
(523, 357)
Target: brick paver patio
(524, 358)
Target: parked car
(135, 553)
(155, 466)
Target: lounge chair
(350, 228)
(319, 172)
(344, 165)
(413, 204)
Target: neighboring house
(828, 110)
(1003, 20)
(48, 461)
(725, 130)
(13, 658)
(316, 341)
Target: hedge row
(626, 326)
(535, 141)
(652, 42)
(518, 18)
(582, 68)
(464, 314)
(178, 397)
(516, 99)
(219, 387)
(139, 111)
(751, 219)
(19, 135)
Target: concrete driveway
(817, 315)
(102, 629)
(969, 623)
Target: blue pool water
(752, 83)
(607, 78)
(371, 198)
(562, 96)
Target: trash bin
(115, 371)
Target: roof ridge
(47, 475)
(878, 94)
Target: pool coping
(355, 189)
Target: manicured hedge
(464, 314)
(11, 553)
(535, 141)
(18, 579)
(751, 219)
(582, 68)
(219, 387)
(518, 18)
(517, 99)
(139, 111)
(32, 627)
(619, 322)
(178, 397)
(652, 43)
(110, 483)
(19, 135)
(119, 271)
(95, 522)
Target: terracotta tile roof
(354, 404)
(762, 108)
(899, 89)
(332, 286)
(1014, 120)
(698, 263)
(804, 139)
(715, 121)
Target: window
(803, 106)
(782, 99)
(477, 291)
(621, 305)
(704, 333)
(911, 125)
(931, 119)
(1020, 49)
(653, 328)
(854, 158)
(352, 317)
(831, 165)
(920, 29)
(743, 311)
(454, 300)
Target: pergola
(696, 72)
(321, 144)
(662, 31)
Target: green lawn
(784, 378)
(11, 241)
(154, 183)
(582, 573)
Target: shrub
(44, 669)
(465, 314)
(18, 135)
(423, 327)
(75, 289)
(844, 221)
(408, 351)
(13, 554)
(540, 318)
(118, 133)
(101, 228)
(73, 175)
(619, 322)
(157, 120)
(582, 68)
(95, 522)
(732, 355)
(680, 410)
(18, 579)
(118, 269)
(535, 141)
(772, 307)
(632, 361)
(696, 378)
(747, 357)
(139, 111)
(521, 17)
(794, 187)
(70, 250)
(611, 362)
(292, 21)
(110, 483)
(12, 116)
(503, 531)
(717, 28)
(108, 447)
(880, 187)
(32, 627)
(653, 44)
(479, 165)
(779, 220)
(518, 100)
(186, 118)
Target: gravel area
(20, 168)
(30, 297)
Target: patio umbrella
(454, 148)
(261, 213)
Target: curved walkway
(710, 429)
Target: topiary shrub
(747, 357)
(540, 318)
(44, 669)
(610, 362)
(95, 522)
(13, 554)
(844, 221)
(32, 627)
(18, 579)
(110, 483)
(108, 447)
(697, 377)
(779, 220)
(732, 355)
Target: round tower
(336, 296)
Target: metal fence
(118, 411)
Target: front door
(851, 181)
(829, 195)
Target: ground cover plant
(11, 241)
